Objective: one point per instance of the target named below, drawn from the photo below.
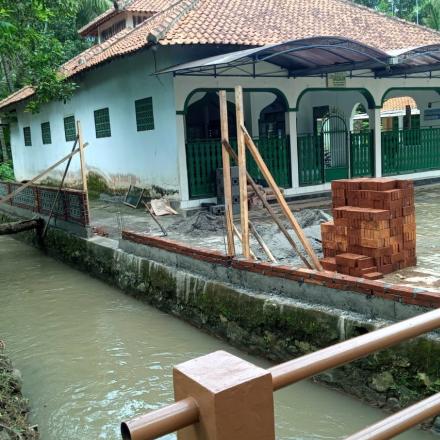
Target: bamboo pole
(261, 242)
(31, 182)
(239, 236)
(244, 216)
(281, 200)
(269, 209)
(226, 174)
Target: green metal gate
(334, 138)
(204, 156)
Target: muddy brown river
(91, 356)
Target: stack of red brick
(374, 227)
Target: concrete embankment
(14, 407)
(276, 318)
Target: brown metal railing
(186, 412)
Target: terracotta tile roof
(17, 96)
(399, 103)
(250, 22)
(146, 6)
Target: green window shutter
(27, 136)
(102, 123)
(45, 133)
(69, 128)
(144, 114)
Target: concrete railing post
(234, 397)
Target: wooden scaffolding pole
(31, 182)
(244, 216)
(278, 194)
(226, 174)
(269, 209)
(83, 164)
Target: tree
(36, 37)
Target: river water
(92, 356)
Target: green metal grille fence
(204, 156)
(409, 151)
(362, 154)
(310, 160)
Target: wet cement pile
(209, 230)
(14, 408)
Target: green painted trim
(291, 110)
(216, 89)
(180, 112)
(436, 89)
(365, 92)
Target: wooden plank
(244, 215)
(269, 209)
(46, 171)
(261, 242)
(239, 236)
(281, 200)
(226, 174)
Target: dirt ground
(204, 230)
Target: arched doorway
(334, 141)
(265, 118)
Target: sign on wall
(431, 114)
(337, 79)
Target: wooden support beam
(226, 174)
(239, 236)
(281, 200)
(26, 225)
(261, 242)
(244, 216)
(46, 171)
(269, 208)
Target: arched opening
(360, 120)
(203, 117)
(266, 119)
(400, 113)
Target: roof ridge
(391, 17)
(161, 30)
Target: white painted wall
(145, 158)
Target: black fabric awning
(311, 57)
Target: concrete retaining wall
(259, 319)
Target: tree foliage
(36, 37)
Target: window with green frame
(144, 114)
(27, 136)
(69, 128)
(102, 123)
(45, 133)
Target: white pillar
(293, 133)
(375, 125)
(400, 119)
(181, 156)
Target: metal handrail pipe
(307, 366)
(401, 421)
(163, 421)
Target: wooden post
(240, 238)
(281, 200)
(269, 209)
(234, 397)
(226, 174)
(244, 217)
(82, 160)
